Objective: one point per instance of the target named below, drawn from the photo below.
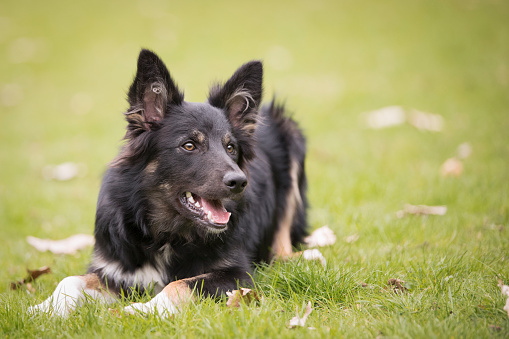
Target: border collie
(198, 193)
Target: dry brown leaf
(65, 246)
(16, 284)
(451, 167)
(397, 285)
(320, 237)
(421, 210)
(32, 275)
(385, 117)
(298, 321)
(244, 294)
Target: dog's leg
(282, 244)
(72, 292)
(166, 302)
(177, 293)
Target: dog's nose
(235, 181)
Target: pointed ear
(151, 91)
(240, 96)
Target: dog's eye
(189, 146)
(230, 149)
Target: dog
(198, 193)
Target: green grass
(331, 61)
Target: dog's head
(190, 158)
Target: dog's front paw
(66, 297)
(160, 304)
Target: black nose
(235, 181)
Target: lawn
(65, 68)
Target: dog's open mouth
(210, 211)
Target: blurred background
(65, 67)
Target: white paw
(160, 304)
(66, 297)
(70, 293)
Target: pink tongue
(217, 210)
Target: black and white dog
(199, 192)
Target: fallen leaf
(321, 237)
(451, 167)
(352, 238)
(421, 210)
(298, 321)
(385, 117)
(65, 246)
(16, 284)
(426, 121)
(63, 172)
(32, 275)
(397, 285)
(245, 294)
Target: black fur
(143, 228)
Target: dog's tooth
(191, 199)
(189, 195)
(209, 215)
(197, 204)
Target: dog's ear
(240, 96)
(150, 93)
